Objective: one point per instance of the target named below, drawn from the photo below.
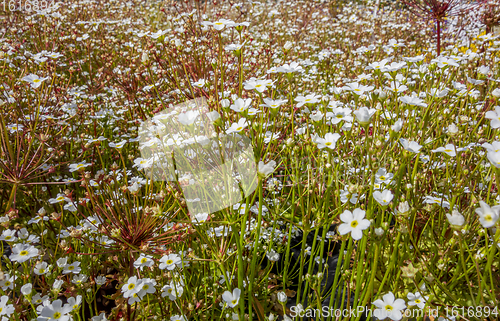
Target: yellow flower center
(56, 315)
(354, 224)
(131, 286)
(23, 253)
(388, 307)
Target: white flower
(178, 318)
(339, 114)
(142, 163)
(143, 260)
(357, 88)
(6, 309)
(494, 158)
(118, 145)
(79, 279)
(188, 117)
(488, 216)
(452, 129)
(60, 197)
(266, 169)
(38, 299)
(353, 223)
(134, 187)
(455, 218)
(449, 149)
(213, 115)
(75, 167)
(282, 297)
(308, 99)
(241, 105)
(273, 103)
(403, 207)
(34, 80)
(100, 280)
(496, 93)
(8, 236)
(411, 146)
(378, 64)
(413, 101)
(200, 83)
(436, 200)
(148, 286)
(132, 286)
(273, 255)
(383, 177)
(259, 85)
(72, 268)
(170, 261)
(57, 284)
(237, 127)
(397, 125)
(329, 141)
(444, 62)
(289, 68)
(364, 114)
(389, 307)
(56, 311)
(74, 303)
(234, 47)
(494, 116)
(219, 24)
(384, 197)
(172, 290)
(493, 147)
(25, 290)
(417, 299)
(100, 317)
(198, 218)
(8, 282)
(23, 252)
(232, 299)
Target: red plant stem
(439, 38)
